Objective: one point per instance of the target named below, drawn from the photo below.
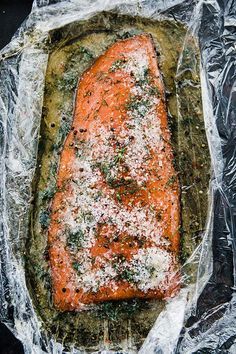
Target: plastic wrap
(201, 318)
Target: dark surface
(8, 343)
(12, 14)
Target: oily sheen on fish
(114, 230)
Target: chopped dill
(119, 155)
(118, 64)
(77, 267)
(139, 106)
(48, 193)
(68, 81)
(44, 219)
(75, 240)
(171, 180)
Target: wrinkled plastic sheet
(204, 322)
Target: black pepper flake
(75, 131)
(198, 179)
(82, 130)
(81, 169)
(63, 290)
(46, 255)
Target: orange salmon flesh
(114, 229)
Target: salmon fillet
(114, 229)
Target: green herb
(139, 106)
(118, 64)
(108, 311)
(186, 121)
(119, 155)
(116, 183)
(48, 89)
(112, 182)
(118, 260)
(98, 195)
(144, 79)
(113, 310)
(68, 81)
(118, 196)
(44, 219)
(86, 53)
(151, 270)
(146, 83)
(127, 274)
(118, 263)
(171, 181)
(132, 187)
(77, 267)
(154, 91)
(42, 274)
(87, 216)
(105, 169)
(62, 133)
(53, 168)
(48, 193)
(75, 240)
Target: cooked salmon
(114, 229)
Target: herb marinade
(73, 49)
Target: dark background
(12, 14)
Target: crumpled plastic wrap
(202, 318)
